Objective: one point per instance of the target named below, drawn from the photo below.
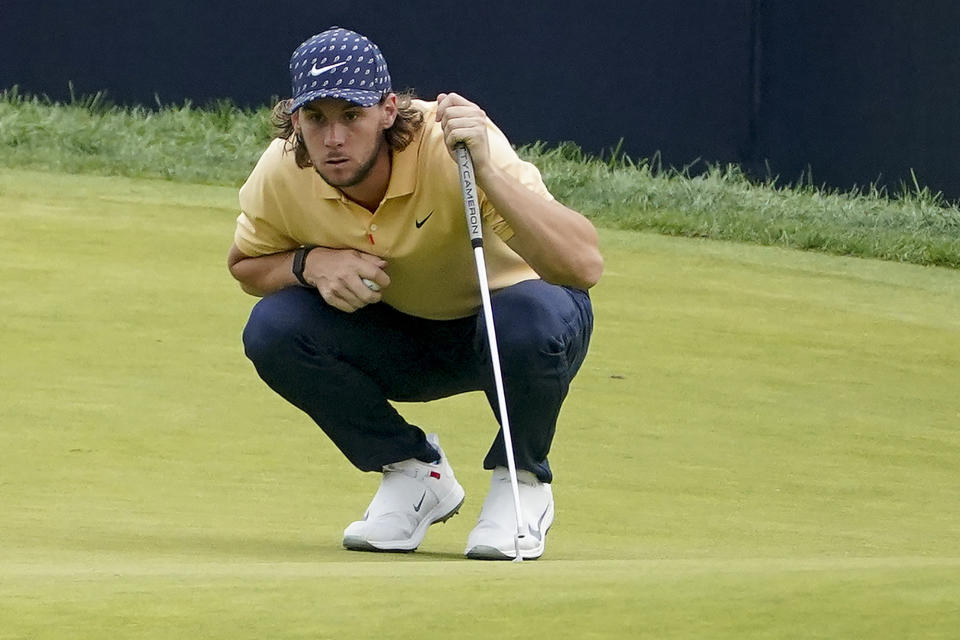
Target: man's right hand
(338, 275)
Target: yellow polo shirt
(420, 227)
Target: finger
(373, 270)
(360, 293)
(440, 107)
(470, 137)
(338, 302)
(452, 98)
(462, 114)
(376, 261)
(463, 125)
(376, 276)
(349, 296)
(446, 101)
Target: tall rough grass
(219, 143)
(215, 144)
(916, 225)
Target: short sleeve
(503, 155)
(255, 236)
(260, 229)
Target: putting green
(763, 443)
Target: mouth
(336, 162)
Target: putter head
(516, 543)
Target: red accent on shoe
(434, 474)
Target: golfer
(352, 230)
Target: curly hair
(399, 135)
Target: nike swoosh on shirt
(420, 223)
(315, 72)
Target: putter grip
(468, 186)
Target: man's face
(344, 140)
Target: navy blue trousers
(342, 368)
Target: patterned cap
(338, 63)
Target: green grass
(763, 443)
(220, 143)
(216, 144)
(918, 226)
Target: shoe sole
(486, 552)
(483, 552)
(357, 543)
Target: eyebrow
(346, 106)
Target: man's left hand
(465, 122)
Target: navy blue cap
(338, 63)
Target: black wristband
(300, 261)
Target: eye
(351, 116)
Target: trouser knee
(274, 329)
(542, 327)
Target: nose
(335, 135)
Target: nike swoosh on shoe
(417, 506)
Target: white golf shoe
(494, 536)
(412, 496)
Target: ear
(388, 111)
(295, 121)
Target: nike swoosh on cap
(315, 72)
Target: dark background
(836, 93)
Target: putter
(469, 187)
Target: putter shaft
(472, 210)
